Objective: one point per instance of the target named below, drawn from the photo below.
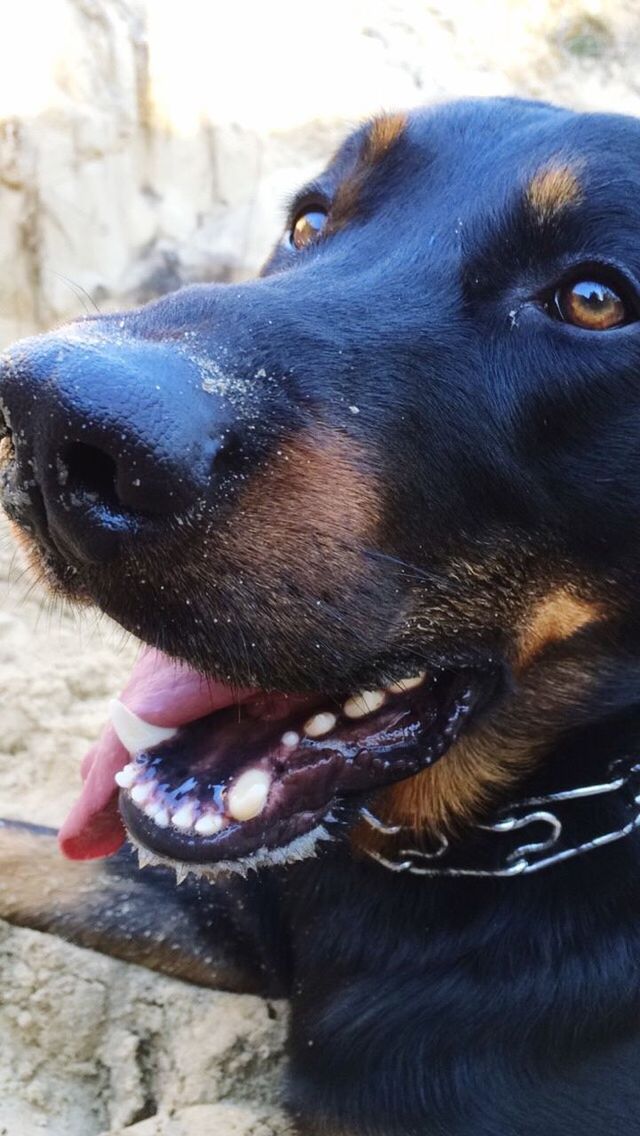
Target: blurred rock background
(145, 144)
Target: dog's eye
(592, 305)
(308, 226)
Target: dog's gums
(261, 773)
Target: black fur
(504, 446)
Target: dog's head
(386, 497)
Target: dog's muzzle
(104, 438)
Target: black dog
(396, 484)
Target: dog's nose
(105, 439)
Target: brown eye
(591, 305)
(308, 226)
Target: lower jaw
(292, 850)
(240, 841)
(314, 792)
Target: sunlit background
(148, 143)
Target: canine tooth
(135, 734)
(408, 683)
(320, 725)
(182, 871)
(248, 795)
(184, 816)
(366, 702)
(162, 818)
(290, 739)
(128, 776)
(208, 824)
(141, 792)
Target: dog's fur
(430, 467)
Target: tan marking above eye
(591, 305)
(383, 134)
(308, 226)
(553, 189)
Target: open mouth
(210, 778)
(262, 777)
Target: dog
(376, 517)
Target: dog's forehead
(509, 135)
(556, 156)
(484, 171)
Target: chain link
(525, 858)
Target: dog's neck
(528, 835)
(571, 808)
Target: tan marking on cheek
(558, 616)
(309, 512)
(383, 133)
(455, 791)
(552, 189)
(486, 765)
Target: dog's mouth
(256, 777)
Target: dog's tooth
(290, 739)
(135, 734)
(143, 791)
(162, 818)
(128, 776)
(363, 703)
(208, 824)
(248, 795)
(184, 816)
(182, 871)
(320, 725)
(408, 683)
(152, 809)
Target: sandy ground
(91, 1045)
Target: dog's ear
(200, 932)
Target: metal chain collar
(524, 858)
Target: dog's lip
(168, 694)
(162, 691)
(253, 780)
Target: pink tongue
(163, 692)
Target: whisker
(429, 576)
(77, 289)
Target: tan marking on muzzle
(310, 511)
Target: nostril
(90, 472)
